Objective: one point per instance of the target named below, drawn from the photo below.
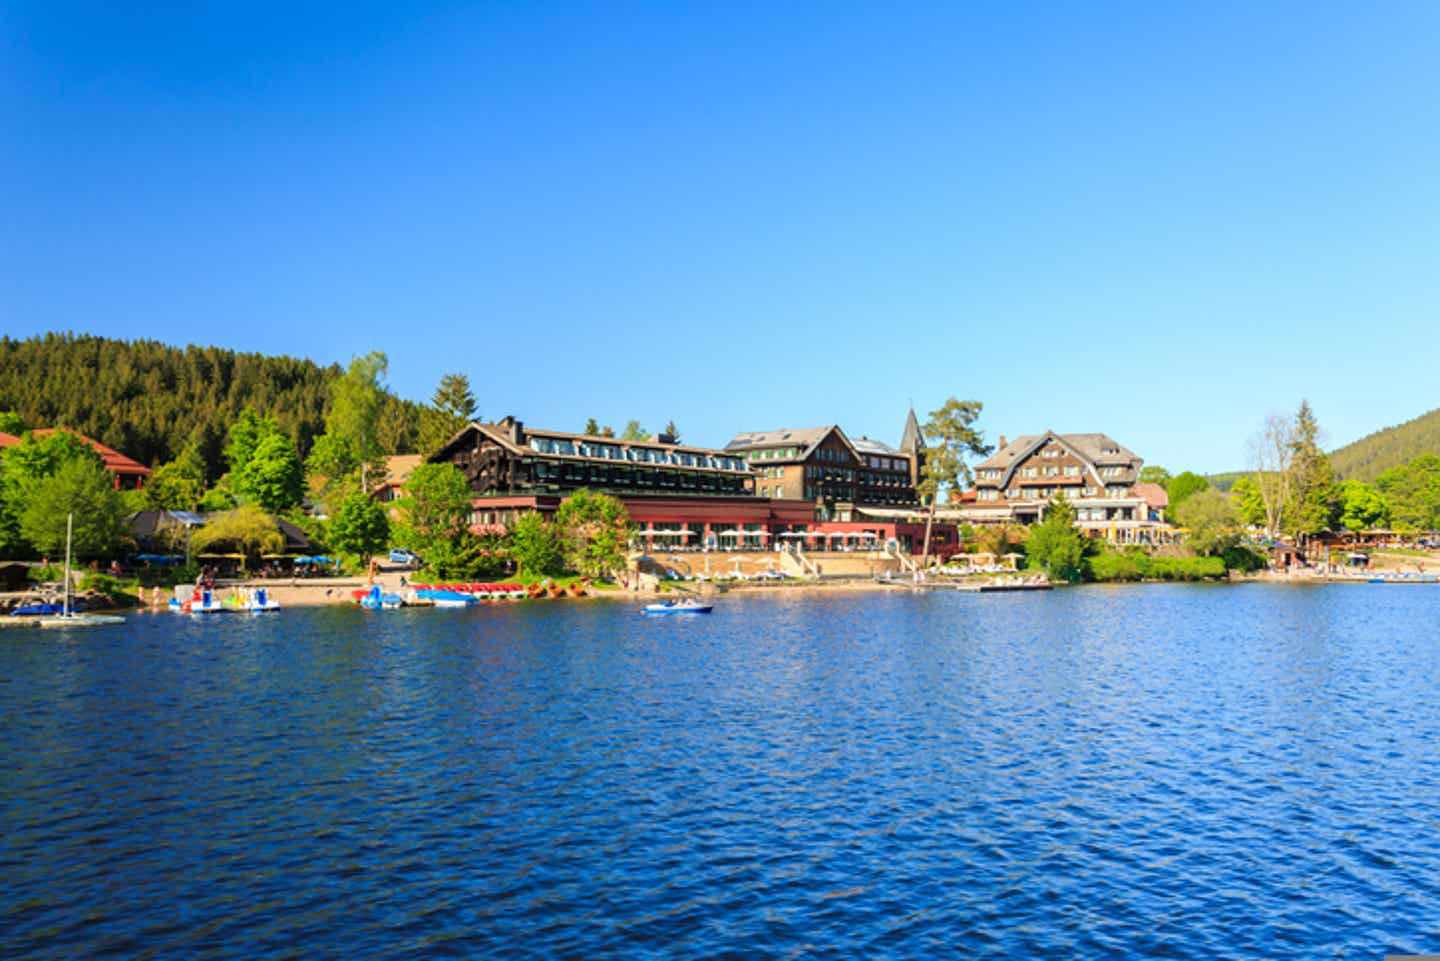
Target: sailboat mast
(69, 525)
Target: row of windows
(829, 474)
(578, 474)
(887, 463)
(1069, 470)
(638, 455)
(774, 453)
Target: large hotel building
(814, 487)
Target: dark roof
(911, 442)
(1089, 446)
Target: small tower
(913, 444)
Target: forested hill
(149, 400)
(1369, 457)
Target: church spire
(911, 442)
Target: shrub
(1116, 566)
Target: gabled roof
(8, 440)
(115, 462)
(1094, 449)
(911, 441)
(1090, 447)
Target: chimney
(512, 428)
(1003, 445)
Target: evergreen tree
(950, 438)
(1314, 495)
(672, 430)
(1056, 546)
(452, 406)
(633, 431)
(592, 428)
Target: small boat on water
(374, 600)
(199, 601)
(68, 617)
(687, 606)
(442, 598)
(37, 610)
(245, 601)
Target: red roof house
(128, 473)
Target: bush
(1136, 565)
(1115, 566)
(46, 573)
(1238, 557)
(1186, 568)
(102, 584)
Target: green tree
(273, 477)
(1249, 501)
(950, 438)
(1056, 546)
(360, 528)
(435, 508)
(452, 406)
(244, 438)
(246, 530)
(82, 488)
(1362, 507)
(178, 485)
(594, 530)
(1315, 496)
(23, 467)
(633, 431)
(11, 423)
(607, 431)
(535, 545)
(1154, 474)
(592, 428)
(1413, 493)
(672, 430)
(356, 402)
(1211, 521)
(1183, 486)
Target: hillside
(1370, 456)
(149, 400)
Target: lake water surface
(1184, 772)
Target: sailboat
(67, 617)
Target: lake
(1166, 771)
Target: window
(1030, 472)
(1072, 470)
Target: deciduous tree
(360, 528)
(82, 488)
(594, 529)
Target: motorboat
(687, 606)
(444, 598)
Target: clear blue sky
(1160, 224)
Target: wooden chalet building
(1097, 475)
(128, 473)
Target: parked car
(404, 558)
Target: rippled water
(1185, 772)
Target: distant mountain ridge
(1373, 454)
(148, 399)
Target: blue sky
(1157, 223)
